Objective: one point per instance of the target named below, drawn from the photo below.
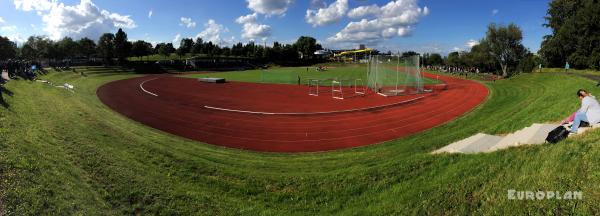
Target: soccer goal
(390, 75)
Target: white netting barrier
(393, 75)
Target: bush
(528, 63)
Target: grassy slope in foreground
(289, 75)
(64, 153)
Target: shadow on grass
(2, 92)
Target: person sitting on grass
(569, 120)
(589, 111)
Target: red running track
(178, 106)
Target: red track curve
(177, 105)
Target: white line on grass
(142, 87)
(313, 113)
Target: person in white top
(589, 111)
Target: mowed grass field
(64, 153)
(290, 75)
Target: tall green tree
(122, 46)
(8, 49)
(505, 45)
(209, 48)
(27, 52)
(87, 47)
(528, 63)
(55, 52)
(575, 37)
(237, 49)
(435, 59)
(165, 49)
(480, 57)
(198, 46)
(409, 53)
(106, 47)
(38, 47)
(307, 46)
(186, 45)
(277, 51)
(141, 48)
(157, 47)
(67, 48)
(454, 59)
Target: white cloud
(251, 29)
(187, 22)
(328, 15)
(212, 32)
(269, 7)
(256, 31)
(82, 20)
(457, 49)
(17, 38)
(396, 18)
(150, 14)
(494, 12)
(417, 47)
(176, 41)
(364, 11)
(2, 20)
(147, 39)
(317, 4)
(429, 48)
(472, 43)
(246, 19)
(118, 20)
(37, 5)
(11, 28)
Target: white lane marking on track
(313, 113)
(142, 87)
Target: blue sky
(421, 25)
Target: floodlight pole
(376, 74)
(421, 84)
(397, 71)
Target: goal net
(393, 75)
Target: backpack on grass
(558, 134)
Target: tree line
(501, 51)
(575, 36)
(117, 46)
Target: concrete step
(582, 130)
(534, 134)
(509, 139)
(539, 137)
(476, 143)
